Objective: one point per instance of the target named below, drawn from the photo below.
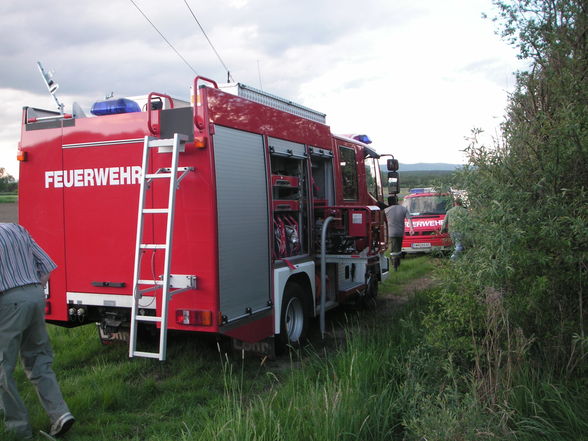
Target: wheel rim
(294, 318)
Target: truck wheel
(368, 299)
(294, 318)
(373, 285)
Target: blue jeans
(457, 239)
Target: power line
(229, 76)
(165, 39)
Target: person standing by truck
(454, 223)
(395, 216)
(24, 270)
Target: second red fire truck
(241, 215)
(427, 208)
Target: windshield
(434, 204)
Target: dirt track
(9, 212)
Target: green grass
(544, 408)
(115, 398)
(8, 198)
(379, 385)
(379, 382)
(411, 267)
(200, 393)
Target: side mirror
(392, 165)
(393, 182)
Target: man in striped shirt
(24, 270)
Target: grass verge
(8, 198)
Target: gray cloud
(494, 69)
(96, 46)
(341, 57)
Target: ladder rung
(156, 210)
(161, 142)
(148, 318)
(146, 354)
(150, 282)
(158, 175)
(166, 172)
(152, 246)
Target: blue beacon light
(363, 138)
(113, 107)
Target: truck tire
(294, 318)
(368, 299)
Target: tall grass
(382, 385)
(354, 394)
(543, 408)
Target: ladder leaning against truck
(240, 215)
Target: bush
(517, 299)
(7, 182)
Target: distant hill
(434, 166)
(422, 174)
(424, 166)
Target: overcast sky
(415, 75)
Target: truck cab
(427, 209)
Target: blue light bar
(363, 138)
(113, 107)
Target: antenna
(259, 74)
(52, 86)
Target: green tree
(7, 182)
(528, 196)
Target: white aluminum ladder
(166, 281)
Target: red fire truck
(427, 208)
(240, 215)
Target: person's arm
(42, 260)
(44, 278)
(443, 228)
(411, 227)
